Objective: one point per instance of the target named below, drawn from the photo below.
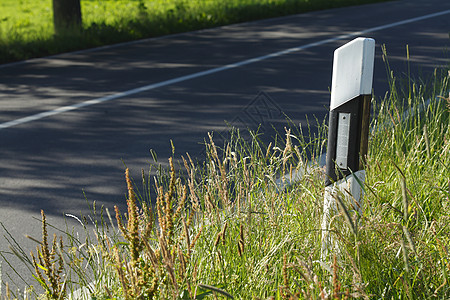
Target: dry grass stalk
(191, 181)
(120, 272)
(187, 237)
(8, 291)
(169, 262)
(168, 212)
(183, 263)
(223, 182)
(209, 204)
(159, 208)
(216, 242)
(181, 204)
(286, 152)
(138, 276)
(336, 283)
(47, 260)
(197, 236)
(221, 235)
(241, 241)
(440, 287)
(133, 222)
(268, 151)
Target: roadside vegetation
(26, 26)
(223, 228)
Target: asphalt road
(178, 88)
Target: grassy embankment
(26, 28)
(223, 229)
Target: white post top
(352, 71)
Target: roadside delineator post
(351, 92)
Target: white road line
(64, 109)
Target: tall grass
(223, 228)
(26, 28)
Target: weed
(49, 264)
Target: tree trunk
(66, 15)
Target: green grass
(26, 28)
(221, 228)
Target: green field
(26, 28)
